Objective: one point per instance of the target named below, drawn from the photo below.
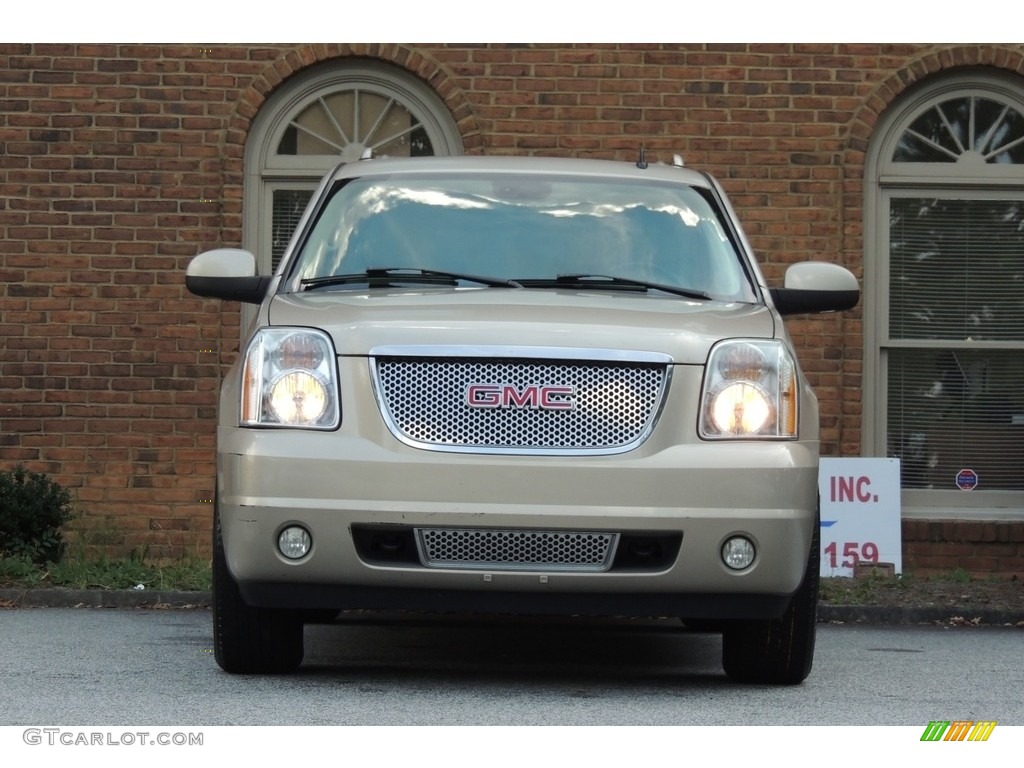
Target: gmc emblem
(511, 396)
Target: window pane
(342, 107)
(347, 122)
(1007, 142)
(914, 149)
(956, 269)
(950, 411)
(973, 129)
(378, 116)
(288, 207)
(933, 137)
(317, 132)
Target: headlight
(290, 379)
(750, 391)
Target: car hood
(359, 321)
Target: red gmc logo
(511, 396)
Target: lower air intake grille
(516, 549)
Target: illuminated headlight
(290, 379)
(750, 391)
(740, 408)
(298, 397)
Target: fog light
(738, 552)
(294, 542)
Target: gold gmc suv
(519, 386)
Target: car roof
(504, 164)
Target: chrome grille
(611, 408)
(515, 549)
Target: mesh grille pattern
(515, 549)
(612, 404)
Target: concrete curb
(829, 614)
(102, 598)
(878, 614)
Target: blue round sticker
(966, 479)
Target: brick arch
(433, 74)
(938, 60)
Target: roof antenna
(642, 160)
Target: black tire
(248, 639)
(778, 651)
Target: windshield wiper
(388, 276)
(614, 283)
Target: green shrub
(19, 570)
(32, 510)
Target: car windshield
(524, 228)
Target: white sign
(860, 514)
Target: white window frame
(885, 180)
(265, 170)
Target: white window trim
(884, 180)
(264, 168)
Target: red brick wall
(980, 548)
(118, 163)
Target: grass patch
(956, 586)
(126, 573)
(867, 590)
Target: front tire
(248, 639)
(778, 651)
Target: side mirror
(226, 273)
(816, 286)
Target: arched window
(944, 295)
(964, 128)
(329, 114)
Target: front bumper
(332, 483)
